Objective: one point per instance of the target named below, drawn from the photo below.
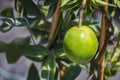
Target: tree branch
(54, 24)
(104, 38)
(105, 34)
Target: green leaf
(102, 3)
(5, 28)
(33, 73)
(12, 53)
(71, 4)
(116, 55)
(72, 72)
(41, 29)
(51, 11)
(95, 28)
(34, 52)
(3, 46)
(8, 12)
(110, 72)
(65, 2)
(117, 64)
(67, 18)
(50, 2)
(9, 21)
(117, 2)
(21, 41)
(89, 9)
(19, 7)
(48, 69)
(31, 9)
(59, 53)
(17, 22)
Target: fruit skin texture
(80, 44)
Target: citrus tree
(70, 38)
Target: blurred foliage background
(35, 16)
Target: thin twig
(82, 7)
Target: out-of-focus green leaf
(17, 22)
(95, 28)
(19, 7)
(33, 73)
(51, 11)
(69, 7)
(50, 2)
(89, 9)
(59, 53)
(9, 21)
(44, 25)
(68, 26)
(41, 29)
(97, 3)
(110, 72)
(103, 3)
(64, 2)
(116, 31)
(12, 53)
(34, 52)
(72, 72)
(8, 12)
(117, 64)
(39, 32)
(117, 2)
(3, 46)
(116, 55)
(48, 69)
(71, 4)
(5, 28)
(21, 41)
(67, 19)
(31, 9)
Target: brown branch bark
(82, 7)
(100, 68)
(99, 62)
(103, 43)
(62, 72)
(54, 24)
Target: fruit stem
(82, 7)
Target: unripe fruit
(80, 44)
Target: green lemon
(80, 44)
